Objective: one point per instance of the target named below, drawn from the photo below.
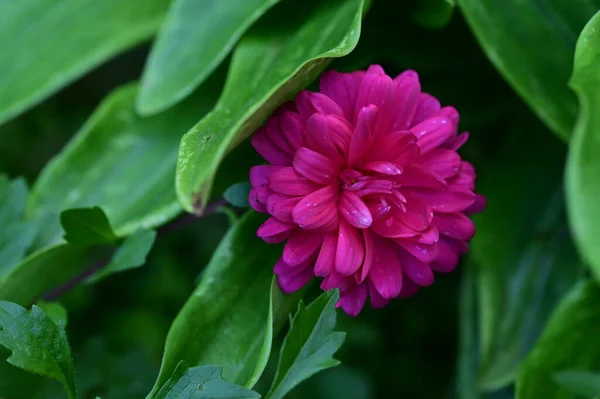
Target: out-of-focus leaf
(197, 35)
(526, 260)
(131, 254)
(16, 234)
(38, 345)
(288, 48)
(202, 382)
(228, 320)
(46, 43)
(237, 194)
(468, 346)
(309, 345)
(570, 341)
(543, 33)
(433, 14)
(84, 226)
(584, 383)
(583, 163)
(120, 162)
(55, 311)
(41, 271)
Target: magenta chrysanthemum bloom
(366, 186)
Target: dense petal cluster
(365, 185)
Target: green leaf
(570, 341)
(55, 311)
(237, 194)
(584, 383)
(526, 260)
(38, 345)
(196, 37)
(85, 226)
(547, 31)
(120, 162)
(286, 50)
(310, 344)
(201, 382)
(434, 14)
(70, 36)
(131, 254)
(41, 271)
(16, 235)
(583, 163)
(228, 320)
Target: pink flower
(366, 187)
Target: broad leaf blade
(173, 71)
(309, 346)
(237, 194)
(120, 162)
(131, 254)
(228, 319)
(70, 36)
(201, 382)
(583, 164)
(542, 32)
(17, 234)
(584, 383)
(38, 345)
(85, 226)
(286, 50)
(570, 341)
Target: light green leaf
(583, 163)
(16, 235)
(131, 254)
(70, 36)
(201, 382)
(237, 194)
(309, 346)
(85, 226)
(547, 31)
(41, 271)
(38, 345)
(55, 311)
(570, 341)
(120, 162)
(526, 260)
(584, 383)
(228, 320)
(196, 37)
(288, 48)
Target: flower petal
(442, 162)
(315, 166)
(325, 263)
(329, 135)
(478, 206)
(432, 132)
(455, 142)
(300, 246)
(377, 301)
(336, 280)
(424, 252)
(269, 150)
(258, 197)
(259, 175)
(446, 201)
(363, 135)
(275, 231)
(448, 256)
(418, 271)
(317, 210)
(343, 89)
(353, 300)
(385, 272)
(427, 106)
(385, 168)
(407, 92)
(288, 182)
(350, 249)
(455, 225)
(282, 206)
(292, 128)
(292, 283)
(418, 176)
(309, 103)
(354, 210)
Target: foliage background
(464, 337)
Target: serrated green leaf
(228, 320)
(38, 345)
(55, 311)
(570, 341)
(172, 70)
(237, 194)
(41, 271)
(17, 234)
(85, 226)
(71, 36)
(120, 162)
(131, 254)
(203, 382)
(584, 383)
(288, 48)
(547, 31)
(309, 345)
(583, 163)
